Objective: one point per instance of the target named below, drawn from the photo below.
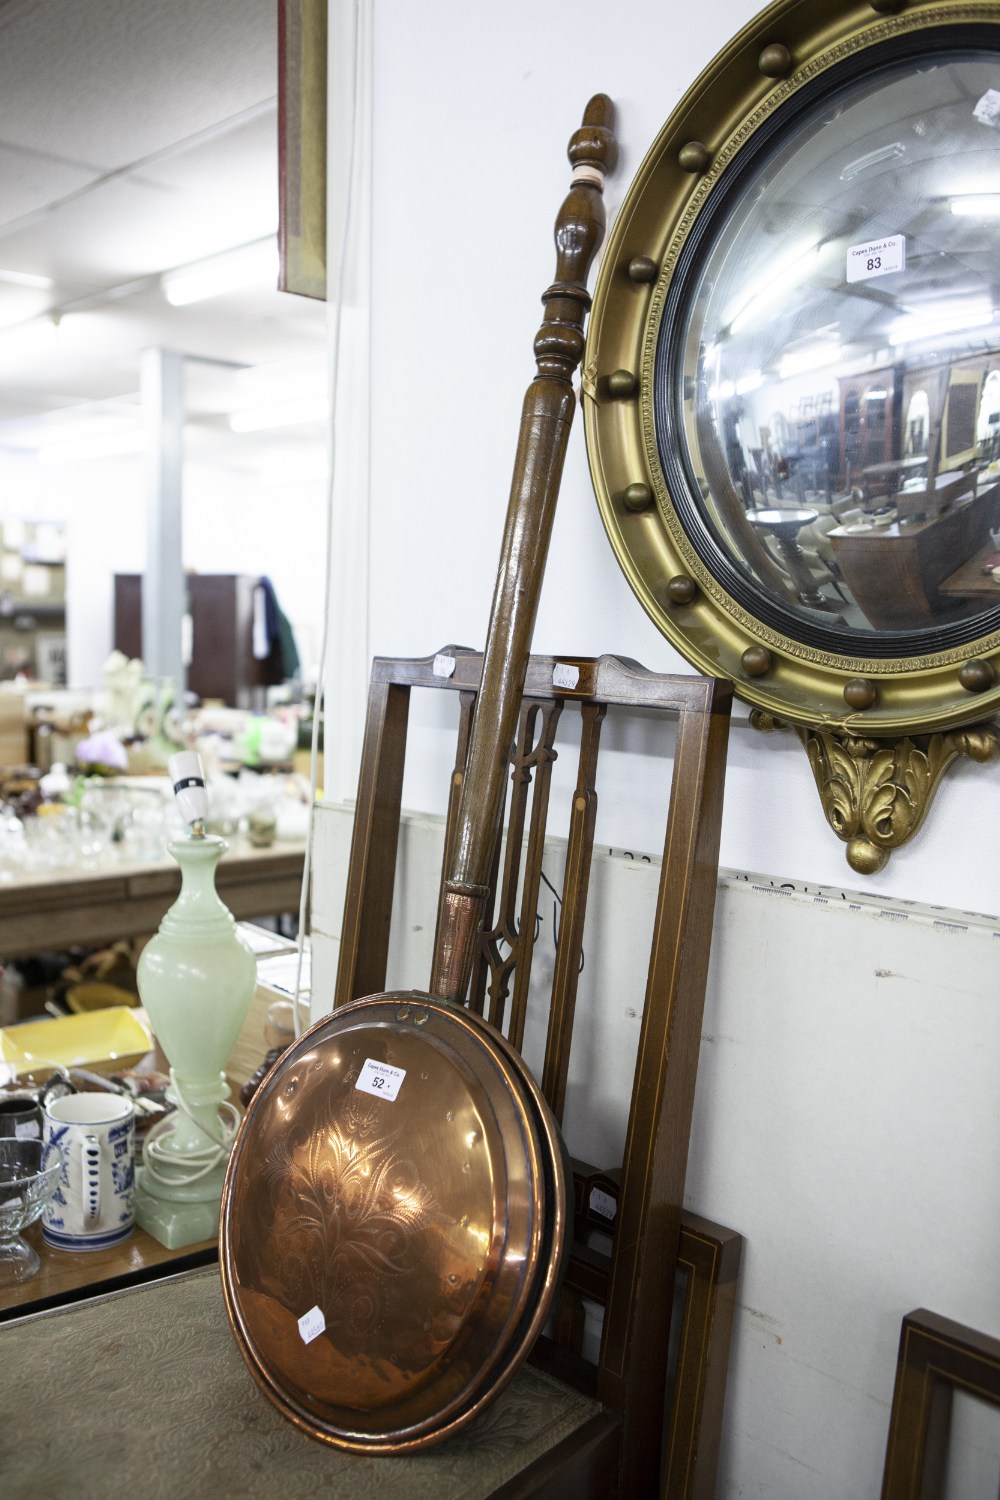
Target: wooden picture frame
(708, 1261)
(302, 83)
(708, 1266)
(936, 1358)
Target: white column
(349, 176)
(161, 386)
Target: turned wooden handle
(546, 417)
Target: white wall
(850, 1079)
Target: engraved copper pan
(428, 1228)
(394, 1213)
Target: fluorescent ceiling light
(722, 392)
(875, 158)
(940, 318)
(26, 278)
(244, 266)
(977, 205)
(783, 272)
(25, 339)
(279, 414)
(816, 357)
(101, 445)
(728, 388)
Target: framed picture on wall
(302, 32)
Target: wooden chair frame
(638, 1279)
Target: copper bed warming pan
(394, 1213)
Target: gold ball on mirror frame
(756, 661)
(860, 693)
(865, 857)
(976, 676)
(775, 61)
(681, 589)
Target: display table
(119, 1373)
(145, 1393)
(895, 572)
(970, 578)
(72, 1275)
(63, 908)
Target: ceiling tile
(106, 83)
(29, 180)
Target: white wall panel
(846, 1122)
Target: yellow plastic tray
(115, 1034)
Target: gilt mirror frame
(842, 584)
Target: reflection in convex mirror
(841, 364)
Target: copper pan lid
(393, 1185)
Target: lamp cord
(206, 1159)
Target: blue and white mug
(93, 1205)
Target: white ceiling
(137, 136)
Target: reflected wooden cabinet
(222, 661)
(869, 423)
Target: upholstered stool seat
(145, 1393)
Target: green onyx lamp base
(196, 978)
(188, 1215)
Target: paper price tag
(444, 666)
(876, 258)
(603, 1204)
(565, 676)
(27, 1130)
(311, 1325)
(379, 1079)
(987, 109)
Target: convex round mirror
(794, 365)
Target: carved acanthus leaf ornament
(876, 792)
